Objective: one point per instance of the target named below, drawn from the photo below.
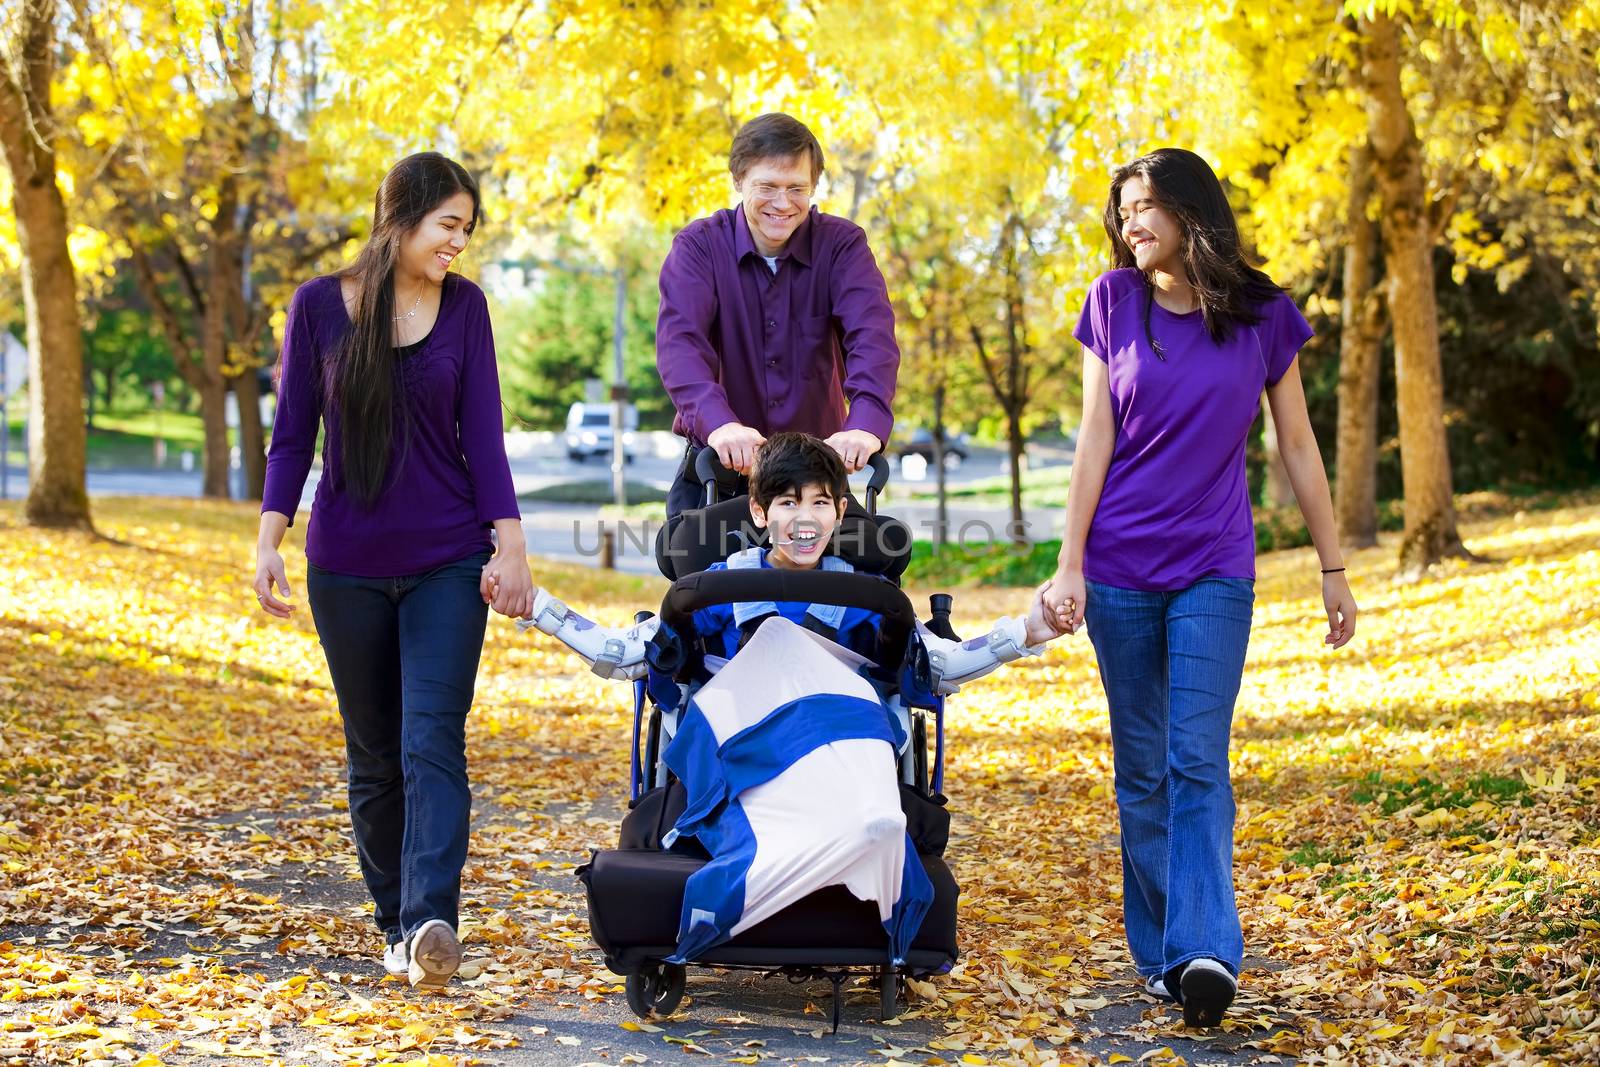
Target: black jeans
(403, 653)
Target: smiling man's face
(777, 194)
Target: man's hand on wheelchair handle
(736, 445)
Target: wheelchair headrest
(693, 540)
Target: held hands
(269, 570)
(1042, 623)
(1064, 597)
(506, 584)
(736, 445)
(855, 447)
(1341, 606)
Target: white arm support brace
(957, 662)
(610, 653)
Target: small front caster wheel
(657, 989)
(888, 994)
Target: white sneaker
(1156, 986)
(435, 955)
(1208, 988)
(395, 960)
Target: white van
(589, 430)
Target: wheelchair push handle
(709, 472)
(939, 621)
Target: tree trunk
(1430, 530)
(1276, 492)
(1016, 398)
(214, 450)
(1014, 446)
(1360, 346)
(941, 522)
(57, 441)
(1012, 393)
(221, 284)
(252, 440)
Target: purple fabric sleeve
(685, 358)
(299, 410)
(1283, 333)
(482, 432)
(1093, 326)
(871, 357)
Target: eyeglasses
(767, 193)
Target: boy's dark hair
(773, 136)
(789, 462)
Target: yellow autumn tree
(1445, 110)
(29, 137)
(187, 115)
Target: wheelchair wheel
(888, 994)
(657, 989)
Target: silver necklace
(413, 311)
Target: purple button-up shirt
(786, 351)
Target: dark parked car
(920, 443)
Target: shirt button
(772, 363)
(771, 323)
(772, 403)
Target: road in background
(571, 532)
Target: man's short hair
(788, 462)
(773, 136)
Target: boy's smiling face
(798, 524)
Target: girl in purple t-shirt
(1158, 554)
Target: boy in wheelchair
(798, 491)
(827, 810)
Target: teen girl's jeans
(1171, 663)
(403, 653)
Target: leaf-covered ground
(1418, 833)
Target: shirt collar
(799, 245)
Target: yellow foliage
(1417, 851)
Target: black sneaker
(1205, 988)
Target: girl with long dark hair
(1158, 551)
(395, 357)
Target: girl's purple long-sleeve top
(448, 475)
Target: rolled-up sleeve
(298, 411)
(860, 302)
(685, 358)
(481, 432)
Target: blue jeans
(403, 653)
(1171, 663)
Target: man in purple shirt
(774, 316)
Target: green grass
(1393, 795)
(176, 427)
(984, 563)
(1045, 488)
(1310, 854)
(641, 495)
(125, 437)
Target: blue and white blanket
(788, 758)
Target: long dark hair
(1230, 291)
(361, 377)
